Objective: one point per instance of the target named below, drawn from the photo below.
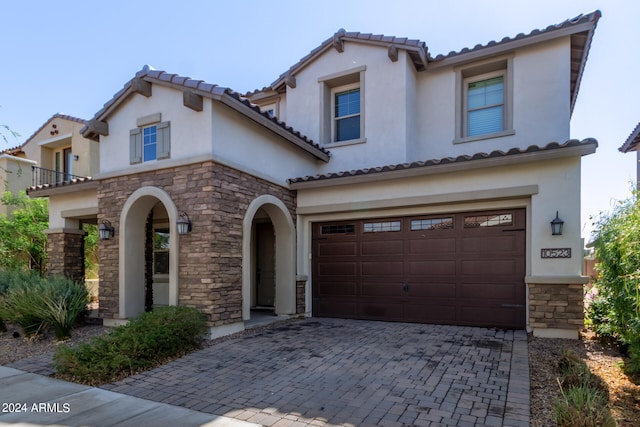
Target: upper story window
(485, 106)
(346, 109)
(342, 107)
(147, 143)
(484, 99)
(150, 143)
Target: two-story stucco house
(371, 180)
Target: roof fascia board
(508, 160)
(502, 47)
(268, 123)
(431, 199)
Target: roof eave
(631, 144)
(586, 148)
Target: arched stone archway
(285, 243)
(131, 251)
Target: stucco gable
(34, 136)
(194, 91)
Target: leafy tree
(616, 311)
(23, 243)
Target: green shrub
(62, 304)
(618, 252)
(144, 343)
(582, 406)
(34, 303)
(574, 372)
(22, 303)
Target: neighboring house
(631, 144)
(403, 187)
(57, 155)
(15, 174)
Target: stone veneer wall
(216, 198)
(300, 296)
(556, 306)
(65, 254)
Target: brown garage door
(460, 269)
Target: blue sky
(72, 56)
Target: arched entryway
(148, 213)
(268, 257)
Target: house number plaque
(556, 253)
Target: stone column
(65, 251)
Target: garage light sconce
(106, 230)
(556, 226)
(183, 223)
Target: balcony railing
(41, 176)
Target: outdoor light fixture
(183, 223)
(106, 230)
(556, 226)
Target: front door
(265, 265)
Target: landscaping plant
(144, 343)
(615, 313)
(34, 302)
(585, 397)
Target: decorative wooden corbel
(338, 44)
(142, 87)
(98, 127)
(393, 53)
(290, 81)
(192, 100)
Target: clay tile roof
(202, 88)
(445, 161)
(416, 48)
(631, 144)
(74, 181)
(580, 19)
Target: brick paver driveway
(318, 372)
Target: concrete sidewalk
(31, 399)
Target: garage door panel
(386, 247)
(337, 269)
(430, 313)
(337, 249)
(492, 267)
(430, 290)
(380, 311)
(493, 291)
(429, 268)
(381, 268)
(369, 289)
(430, 245)
(337, 308)
(499, 316)
(331, 288)
(490, 244)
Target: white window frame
(273, 107)
(330, 85)
(467, 74)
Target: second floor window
(485, 106)
(149, 142)
(347, 115)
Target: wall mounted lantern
(556, 226)
(106, 230)
(183, 223)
